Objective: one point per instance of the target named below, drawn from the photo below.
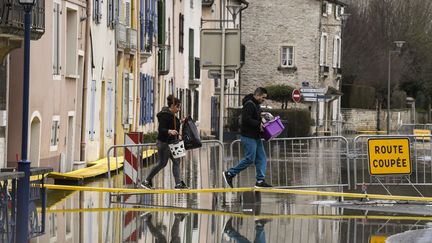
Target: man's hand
(172, 132)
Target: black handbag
(191, 137)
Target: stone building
(297, 43)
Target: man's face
(261, 98)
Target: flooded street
(244, 217)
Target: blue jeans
(259, 236)
(254, 152)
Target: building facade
(295, 43)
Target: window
(56, 39)
(97, 13)
(68, 217)
(329, 9)
(339, 11)
(287, 56)
(110, 109)
(337, 52)
(146, 99)
(55, 128)
(92, 131)
(323, 50)
(53, 226)
(128, 13)
(324, 8)
(181, 33)
(110, 14)
(191, 3)
(197, 68)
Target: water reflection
(233, 234)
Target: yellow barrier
(244, 189)
(422, 134)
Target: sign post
(389, 156)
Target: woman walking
(168, 132)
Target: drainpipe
(85, 77)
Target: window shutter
(128, 13)
(335, 52)
(322, 50)
(130, 105)
(339, 45)
(92, 109)
(125, 97)
(329, 9)
(151, 101)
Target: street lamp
(399, 45)
(23, 195)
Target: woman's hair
(173, 100)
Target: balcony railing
(164, 59)
(132, 39)
(121, 36)
(12, 19)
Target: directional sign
(296, 96)
(389, 156)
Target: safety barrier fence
(420, 158)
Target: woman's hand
(172, 132)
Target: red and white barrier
(132, 158)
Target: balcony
(12, 20)
(131, 39)
(164, 54)
(207, 3)
(121, 36)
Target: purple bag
(272, 128)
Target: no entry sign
(389, 156)
(296, 96)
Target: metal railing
(299, 162)
(200, 168)
(12, 18)
(408, 129)
(8, 203)
(421, 162)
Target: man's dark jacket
(166, 122)
(251, 117)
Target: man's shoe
(228, 178)
(262, 184)
(228, 226)
(181, 185)
(261, 222)
(147, 184)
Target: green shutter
(191, 55)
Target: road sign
(389, 156)
(296, 96)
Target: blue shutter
(141, 120)
(151, 100)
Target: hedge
(358, 96)
(297, 121)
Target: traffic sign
(296, 96)
(389, 156)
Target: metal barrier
(200, 168)
(408, 129)
(299, 162)
(421, 162)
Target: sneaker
(228, 227)
(147, 216)
(181, 185)
(228, 178)
(261, 222)
(262, 184)
(147, 184)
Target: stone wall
(366, 120)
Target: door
(69, 144)
(35, 131)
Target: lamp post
(399, 45)
(23, 193)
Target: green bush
(150, 137)
(296, 121)
(358, 96)
(280, 93)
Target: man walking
(251, 127)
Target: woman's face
(175, 108)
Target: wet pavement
(232, 217)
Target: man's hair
(172, 100)
(260, 91)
